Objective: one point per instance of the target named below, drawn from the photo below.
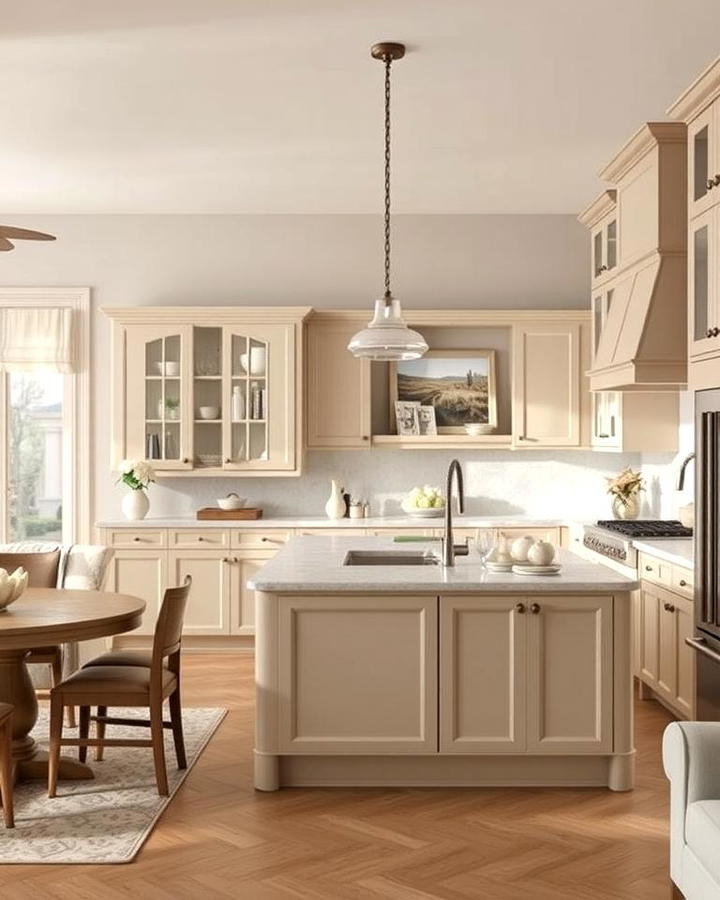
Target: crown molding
(702, 92)
(198, 315)
(648, 136)
(599, 208)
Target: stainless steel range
(612, 538)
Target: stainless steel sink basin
(390, 558)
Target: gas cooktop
(646, 528)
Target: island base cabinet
(245, 565)
(357, 674)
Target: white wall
(329, 261)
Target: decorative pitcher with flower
(137, 475)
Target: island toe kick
(486, 688)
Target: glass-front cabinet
(604, 248)
(703, 306)
(601, 304)
(703, 161)
(207, 396)
(607, 408)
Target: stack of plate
(499, 567)
(522, 569)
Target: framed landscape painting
(459, 384)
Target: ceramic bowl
(11, 586)
(232, 501)
(171, 369)
(209, 412)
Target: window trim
(77, 459)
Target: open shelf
(444, 441)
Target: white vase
(135, 505)
(335, 507)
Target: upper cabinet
(699, 108)
(208, 391)
(338, 384)
(638, 250)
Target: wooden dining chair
(105, 686)
(6, 769)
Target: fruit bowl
(424, 503)
(11, 586)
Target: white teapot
(541, 553)
(12, 586)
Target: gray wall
(327, 261)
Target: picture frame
(459, 384)
(426, 420)
(407, 421)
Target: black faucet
(450, 549)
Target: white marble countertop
(315, 564)
(673, 550)
(324, 522)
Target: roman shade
(37, 339)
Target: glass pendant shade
(387, 338)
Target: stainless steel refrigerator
(706, 641)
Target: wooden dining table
(45, 617)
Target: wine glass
(484, 542)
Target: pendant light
(387, 337)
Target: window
(44, 446)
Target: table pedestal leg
(17, 688)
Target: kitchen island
(414, 674)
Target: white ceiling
(274, 106)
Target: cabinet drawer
(682, 581)
(656, 570)
(258, 540)
(199, 539)
(136, 538)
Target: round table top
(45, 617)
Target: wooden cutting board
(214, 513)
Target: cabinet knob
(520, 607)
(136, 538)
(648, 568)
(683, 583)
(669, 607)
(708, 333)
(710, 183)
(227, 459)
(365, 437)
(185, 460)
(235, 559)
(534, 608)
(715, 331)
(200, 537)
(602, 268)
(716, 180)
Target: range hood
(642, 344)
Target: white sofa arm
(691, 757)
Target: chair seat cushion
(113, 679)
(122, 658)
(702, 833)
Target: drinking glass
(484, 542)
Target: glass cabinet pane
(701, 171)
(207, 396)
(700, 282)
(163, 412)
(597, 321)
(598, 254)
(611, 251)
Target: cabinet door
(338, 388)
(702, 163)
(604, 248)
(685, 628)
(357, 674)
(667, 646)
(208, 606)
(570, 674)
(546, 385)
(649, 634)
(259, 396)
(606, 430)
(140, 573)
(156, 409)
(703, 284)
(482, 674)
(245, 565)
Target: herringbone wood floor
(220, 839)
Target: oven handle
(700, 644)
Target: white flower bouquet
(136, 474)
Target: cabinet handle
(235, 559)
(683, 583)
(708, 333)
(534, 608)
(520, 607)
(365, 437)
(668, 607)
(716, 180)
(710, 183)
(136, 538)
(200, 537)
(226, 559)
(715, 331)
(649, 569)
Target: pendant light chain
(388, 63)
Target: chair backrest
(168, 630)
(86, 566)
(42, 567)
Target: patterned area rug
(107, 819)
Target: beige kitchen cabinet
(483, 684)
(338, 385)
(546, 384)
(244, 565)
(221, 397)
(625, 422)
(357, 674)
(570, 674)
(704, 286)
(703, 161)
(140, 573)
(666, 618)
(208, 607)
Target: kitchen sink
(390, 558)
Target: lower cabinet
(667, 664)
(245, 564)
(526, 674)
(140, 573)
(208, 606)
(357, 674)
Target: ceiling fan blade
(24, 234)
(5, 244)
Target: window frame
(77, 459)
